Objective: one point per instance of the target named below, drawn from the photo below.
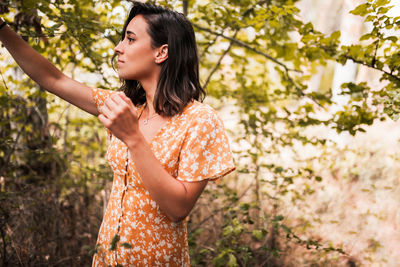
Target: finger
(117, 97)
(120, 100)
(105, 110)
(128, 101)
(113, 102)
(104, 120)
(122, 94)
(125, 98)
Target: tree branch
(375, 53)
(243, 44)
(219, 62)
(233, 40)
(373, 66)
(212, 214)
(4, 81)
(248, 11)
(208, 46)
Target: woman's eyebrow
(130, 32)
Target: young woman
(165, 145)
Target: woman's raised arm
(46, 74)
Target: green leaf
(114, 242)
(380, 3)
(361, 10)
(126, 245)
(286, 229)
(392, 38)
(94, 250)
(395, 116)
(335, 35)
(258, 234)
(227, 231)
(366, 37)
(232, 262)
(384, 10)
(370, 18)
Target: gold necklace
(146, 120)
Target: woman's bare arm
(46, 74)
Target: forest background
(309, 94)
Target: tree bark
(185, 4)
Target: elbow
(176, 219)
(178, 216)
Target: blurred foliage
(256, 54)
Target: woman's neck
(150, 88)
(149, 85)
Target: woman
(165, 145)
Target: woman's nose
(118, 48)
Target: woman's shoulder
(198, 113)
(199, 109)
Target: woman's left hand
(119, 115)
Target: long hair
(178, 83)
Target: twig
(8, 156)
(247, 12)
(65, 259)
(375, 53)
(208, 46)
(219, 62)
(368, 65)
(66, 128)
(220, 209)
(4, 81)
(10, 233)
(243, 44)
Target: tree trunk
(185, 5)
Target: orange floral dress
(192, 146)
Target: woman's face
(136, 57)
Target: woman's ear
(161, 54)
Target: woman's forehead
(137, 26)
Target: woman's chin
(126, 76)
(123, 76)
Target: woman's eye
(130, 39)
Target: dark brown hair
(178, 83)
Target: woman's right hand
(45, 73)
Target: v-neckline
(152, 139)
(169, 121)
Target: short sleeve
(100, 96)
(205, 152)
